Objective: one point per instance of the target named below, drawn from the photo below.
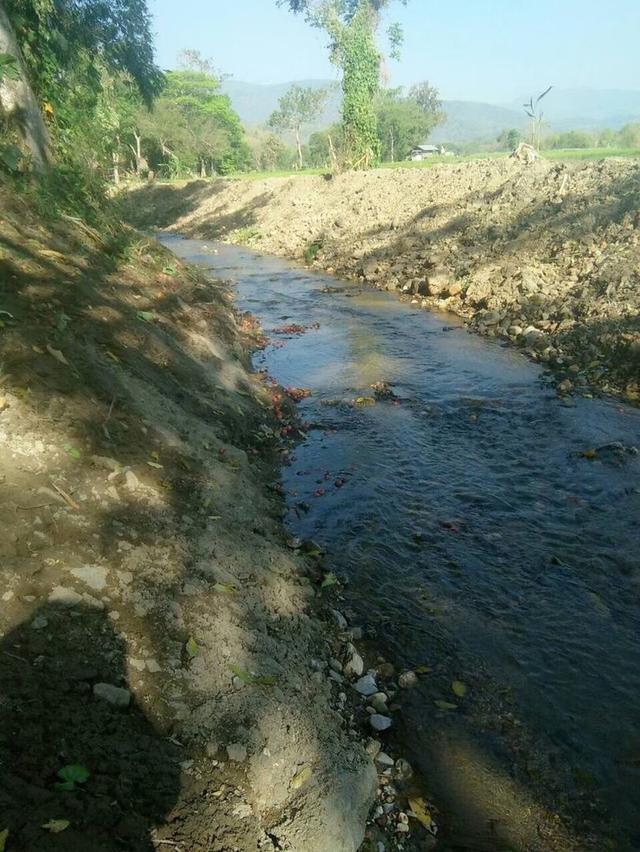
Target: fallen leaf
(55, 826)
(225, 588)
(330, 579)
(423, 669)
(459, 688)
(74, 452)
(146, 316)
(301, 778)
(192, 648)
(251, 679)
(3, 838)
(156, 465)
(57, 354)
(445, 705)
(420, 811)
(363, 401)
(591, 453)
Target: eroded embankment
(156, 630)
(545, 256)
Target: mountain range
(467, 121)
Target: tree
(193, 127)
(509, 140)
(297, 107)
(629, 136)
(64, 49)
(17, 100)
(352, 26)
(403, 122)
(428, 99)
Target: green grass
(560, 154)
(590, 153)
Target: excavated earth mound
(545, 256)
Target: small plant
(532, 109)
(71, 775)
(9, 68)
(312, 250)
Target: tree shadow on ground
(50, 718)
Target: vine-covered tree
(297, 107)
(352, 26)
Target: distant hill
(467, 121)
(588, 109)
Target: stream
(477, 542)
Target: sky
(482, 50)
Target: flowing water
(475, 539)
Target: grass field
(568, 154)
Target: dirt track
(545, 256)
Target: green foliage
(352, 26)
(312, 251)
(71, 775)
(8, 67)
(509, 140)
(192, 128)
(297, 107)
(325, 147)
(403, 122)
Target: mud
(543, 256)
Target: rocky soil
(173, 674)
(545, 256)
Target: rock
(379, 702)
(354, 667)
(366, 685)
(407, 680)
(379, 722)
(39, 623)
(438, 281)
(237, 752)
(373, 747)
(386, 670)
(339, 619)
(455, 288)
(153, 665)
(64, 596)
(131, 481)
(384, 760)
(565, 386)
(336, 665)
(402, 770)
(94, 576)
(514, 330)
(115, 695)
(211, 749)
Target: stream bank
(163, 658)
(544, 256)
(484, 534)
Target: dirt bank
(545, 256)
(163, 666)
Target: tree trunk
(138, 153)
(203, 168)
(19, 103)
(299, 147)
(393, 147)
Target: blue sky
(492, 50)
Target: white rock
(379, 722)
(407, 680)
(366, 685)
(112, 694)
(384, 760)
(153, 665)
(94, 576)
(339, 619)
(64, 596)
(354, 667)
